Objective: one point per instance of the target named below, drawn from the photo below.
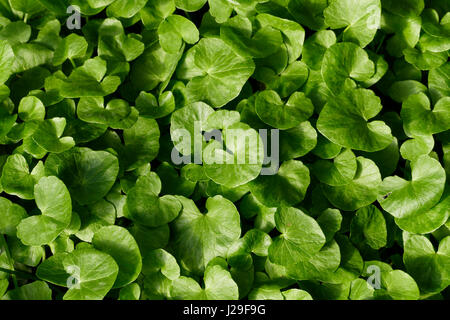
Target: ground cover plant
(218, 149)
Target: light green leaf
(212, 82)
(88, 174)
(198, 238)
(403, 198)
(240, 162)
(53, 199)
(120, 244)
(360, 192)
(286, 188)
(92, 274)
(146, 207)
(343, 64)
(361, 19)
(345, 121)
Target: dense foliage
(101, 196)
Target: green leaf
(126, 8)
(88, 174)
(343, 64)
(92, 274)
(429, 268)
(155, 12)
(425, 60)
(288, 187)
(37, 290)
(31, 108)
(340, 172)
(420, 120)
(273, 111)
(141, 143)
(174, 30)
(113, 44)
(316, 46)
(130, 292)
(361, 19)
(117, 114)
(344, 121)
(190, 5)
(86, 81)
(120, 244)
(240, 162)
(153, 67)
(6, 61)
(185, 126)
(150, 107)
(413, 148)
(71, 47)
(309, 12)
(439, 82)
(254, 241)
(298, 141)
(293, 33)
(198, 238)
(403, 198)
(26, 6)
(48, 136)
(218, 286)
(53, 199)
(11, 215)
(264, 217)
(402, 90)
(17, 179)
(369, 226)
(237, 33)
(360, 192)
(330, 221)
(436, 36)
(428, 220)
(397, 285)
(223, 81)
(146, 207)
(301, 237)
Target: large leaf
(199, 238)
(88, 174)
(345, 121)
(403, 198)
(212, 82)
(53, 199)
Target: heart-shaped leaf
(403, 198)
(238, 159)
(146, 207)
(88, 174)
(420, 120)
(53, 199)
(286, 188)
(120, 244)
(344, 121)
(214, 232)
(117, 114)
(343, 64)
(273, 111)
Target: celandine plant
(216, 149)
